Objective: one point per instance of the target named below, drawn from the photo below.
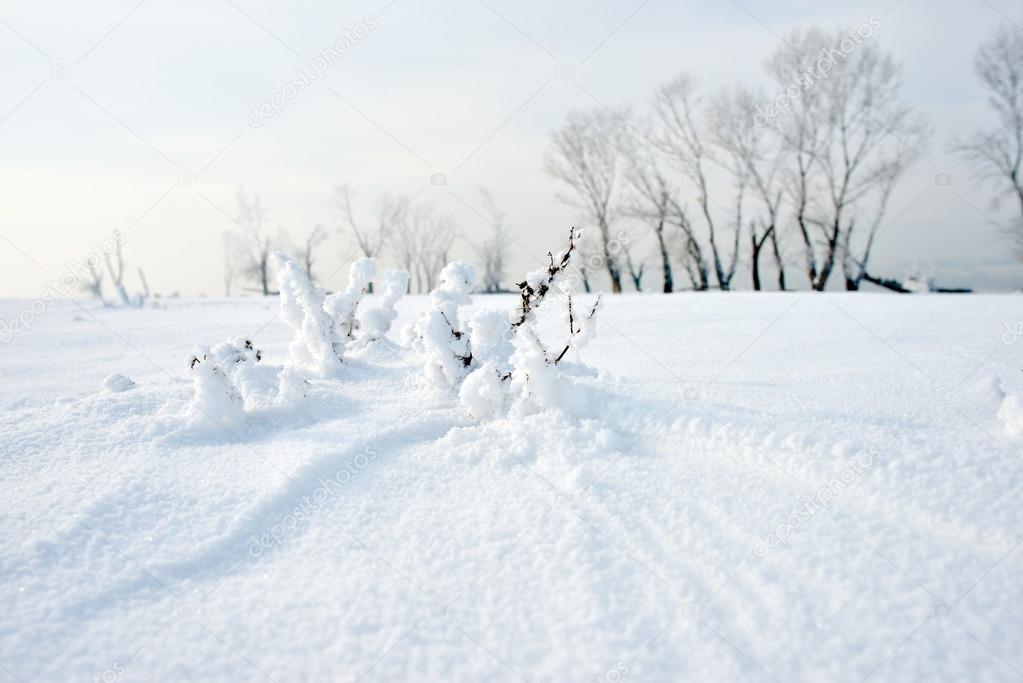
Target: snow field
(777, 487)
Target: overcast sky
(109, 110)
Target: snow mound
(117, 383)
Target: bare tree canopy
(255, 250)
(997, 153)
(421, 240)
(493, 252)
(850, 139)
(753, 157)
(681, 136)
(585, 155)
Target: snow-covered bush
(343, 306)
(512, 366)
(375, 322)
(217, 375)
(302, 309)
(326, 326)
(438, 333)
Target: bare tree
(405, 239)
(852, 139)
(493, 252)
(370, 238)
(680, 135)
(305, 253)
(754, 163)
(998, 153)
(94, 285)
(422, 240)
(115, 268)
(651, 199)
(636, 269)
(437, 238)
(255, 251)
(800, 130)
(585, 154)
(230, 268)
(145, 286)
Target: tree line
(803, 172)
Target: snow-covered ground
(782, 487)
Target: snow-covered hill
(783, 487)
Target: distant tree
(851, 139)
(585, 154)
(493, 252)
(998, 152)
(422, 241)
(306, 251)
(230, 268)
(115, 268)
(681, 135)
(437, 238)
(94, 284)
(651, 199)
(635, 267)
(753, 159)
(256, 250)
(369, 238)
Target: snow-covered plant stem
(375, 322)
(515, 367)
(217, 374)
(302, 309)
(438, 332)
(343, 306)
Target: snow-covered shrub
(438, 333)
(485, 392)
(302, 309)
(513, 368)
(375, 322)
(221, 377)
(343, 306)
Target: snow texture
(791, 487)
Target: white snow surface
(365, 527)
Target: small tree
(493, 253)
(94, 285)
(306, 252)
(255, 252)
(115, 268)
(369, 238)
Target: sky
(138, 116)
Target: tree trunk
(778, 261)
(669, 281)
